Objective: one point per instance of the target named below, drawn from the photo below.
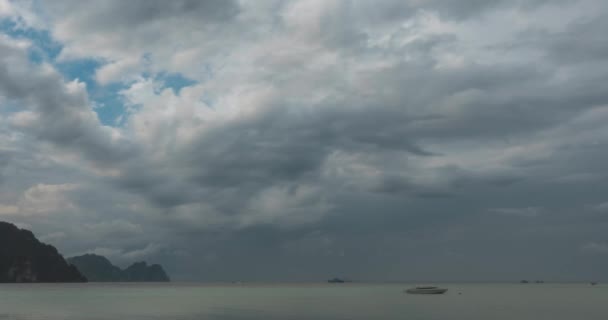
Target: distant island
(25, 259)
(537, 281)
(99, 269)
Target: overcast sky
(300, 140)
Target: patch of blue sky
(110, 103)
(81, 69)
(44, 48)
(175, 81)
(107, 100)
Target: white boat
(426, 290)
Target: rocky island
(99, 269)
(25, 259)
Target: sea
(189, 301)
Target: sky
(279, 140)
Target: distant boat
(524, 281)
(593, 283)
(336, 280)
(426, 290)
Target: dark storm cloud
(279, 146)
(284, 146)
(165, 189)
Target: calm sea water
(321, 301)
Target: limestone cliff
(99, 269)
(25, 259)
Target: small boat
(336, 280)
(593, 283)
(426, 290)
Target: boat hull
(426, 291)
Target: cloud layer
(299, 140)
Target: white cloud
(117, 71)
(22, 13)
(8, 209)
(47, 199)
(42, 200)
(285, 206)
(5, 8)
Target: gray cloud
(319, 138)
(128, 17)
(570, 47)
